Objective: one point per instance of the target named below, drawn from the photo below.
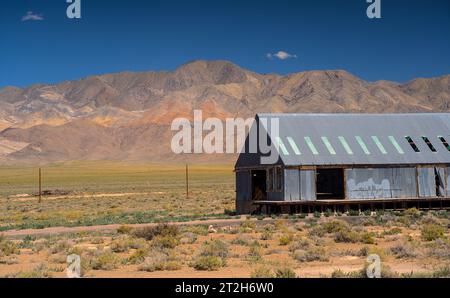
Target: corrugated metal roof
(363, 139)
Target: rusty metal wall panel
(404, 183)
(291, 185)
(307, 185)
(380, 183)
(369, 183)
(427, 182)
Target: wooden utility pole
(187, 182)
(40, 185)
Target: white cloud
(282, 55)
(31, 16)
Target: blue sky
(39, 44)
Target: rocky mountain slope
(127, 116)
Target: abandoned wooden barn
(349, 161)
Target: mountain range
(127, 116)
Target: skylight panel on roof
(294, 146)
(379, 144)
(363, 145)
(428, 142)
(444, 142)
(311, 146)
(328, 145)
(412, 144)
(345, 145)
(396, 145)
(282, 146)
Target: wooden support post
(40, 185)
(187, 182)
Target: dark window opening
(330, 184)
(412, 144)
(427, 141)
(270, 180)
(279, 179)
(445, 143)
(259, 192)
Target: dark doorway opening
(330, 184)
(259, 190)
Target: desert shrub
(208, 263)
(346, 236)
(363, 252)
(317, 214)
(403, 251)
(158, 261)
(41, 271)
(353, 213)
(96, 240)
(317, 231)
(105, 261)
(165, 242)
(266, 235)
(262, 272)
(442, 214)
(439, 248)
(61, 246)
(302, 243)
(280, 225)
(137, 256)
(285, 272)
(125, 243)
(286, 239)
(429, 219)
(215, 248)
(229, 212)
(39, 245)
(188, 238)
(334, 226)
(328, 213)
(412, 213)
(377, 251)
(442, 272)
(148, 233)
(310, 255)
(386, 272)
(125, 230)
(201, 230)
(121, 244)
(367, 212)
(58, 258)
(353, 274)
(367, 238)
(8, 248)
(393, 231)
(242, 239)
(254, 252)
(247, 226)
(27, 242)
(9, 260)
(432, 232)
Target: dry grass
(97, 193)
